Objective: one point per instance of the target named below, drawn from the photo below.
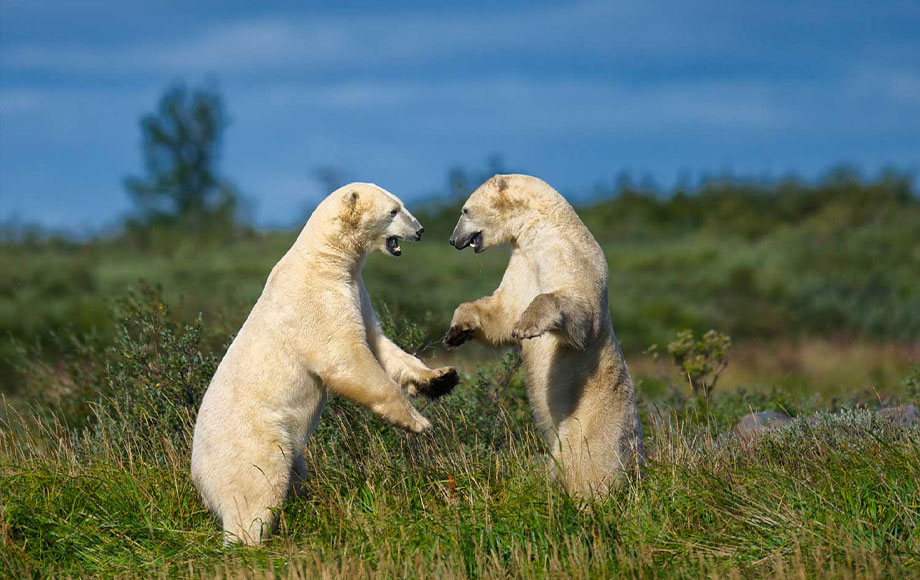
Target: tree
(181, 149)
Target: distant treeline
(837, 257)
(752, 209)
(734, 206)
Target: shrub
(702, 360)
(912, 383)
(408, 335)
(143, 385)
(156, 370)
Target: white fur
(312, 331)
(553, 300)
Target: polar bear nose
(418, 233)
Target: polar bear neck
(333, 250)
(528, 230)
(324, 245)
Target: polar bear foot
(442, 381)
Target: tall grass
(836, 499)
(111, 495)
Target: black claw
(456, 336)
(439, 386)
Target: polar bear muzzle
(474, 240)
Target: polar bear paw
(419, 424)
(457, 335)
(540, 317)
(462, 325)
(529, 328)
(402, 414)
(525, 332)
(441, 382)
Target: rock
(903, 414)
(754, 423)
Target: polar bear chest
(521, 283)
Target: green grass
(471, 499)
(104, 490)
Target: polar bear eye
(394, 211)
(466, 211)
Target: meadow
(107, 343)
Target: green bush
(156, 370)
(408, 335)
(912, 384)
(699, 361)
(144, 385)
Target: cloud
(568, 89)
(670, 37)
(622, 31)
(507, 105)
(905, 87)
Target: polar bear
(553, 300)
(312, 331)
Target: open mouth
(472, 240)
(476, 242)
(393, 246)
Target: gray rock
(754, 423)
(903, 415)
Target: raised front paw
(442, 381)
(457, 335)
(419, 423)
(541, 316)
(527, 329)
(462, 326)
(402, 414)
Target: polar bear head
(500, 210)
(372, 218)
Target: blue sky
(399, 94)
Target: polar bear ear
(504, 200)
(350, 213)
(351, 201)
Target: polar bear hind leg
(248, 508)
